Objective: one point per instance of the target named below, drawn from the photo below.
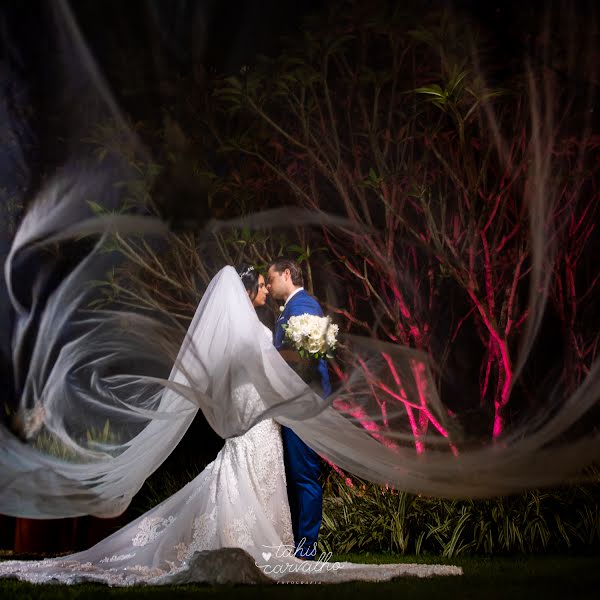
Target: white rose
(314, 346)
(331, 336)
(315, 332)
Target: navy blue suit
(302, 466)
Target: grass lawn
(490, 578)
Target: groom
(302, 467)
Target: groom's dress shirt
(300, 289)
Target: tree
(453, 191)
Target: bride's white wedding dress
(231, 524)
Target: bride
(232, 522)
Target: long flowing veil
(93, 432)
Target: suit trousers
(305, 494)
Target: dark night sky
(177, 35)
(223, 34)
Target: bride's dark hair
(249, 276)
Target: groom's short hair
(281, 264)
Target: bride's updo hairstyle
(249, 276)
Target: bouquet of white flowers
(312, 336)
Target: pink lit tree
(435, 173)
(576, 274)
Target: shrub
(365, 516)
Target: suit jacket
(302, 303)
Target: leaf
(433, 90)
(96, 208)
(234, 82)
(423, 35)
(456, 81)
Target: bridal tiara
(246, 272)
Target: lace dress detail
(229, 525)
(151, 528)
